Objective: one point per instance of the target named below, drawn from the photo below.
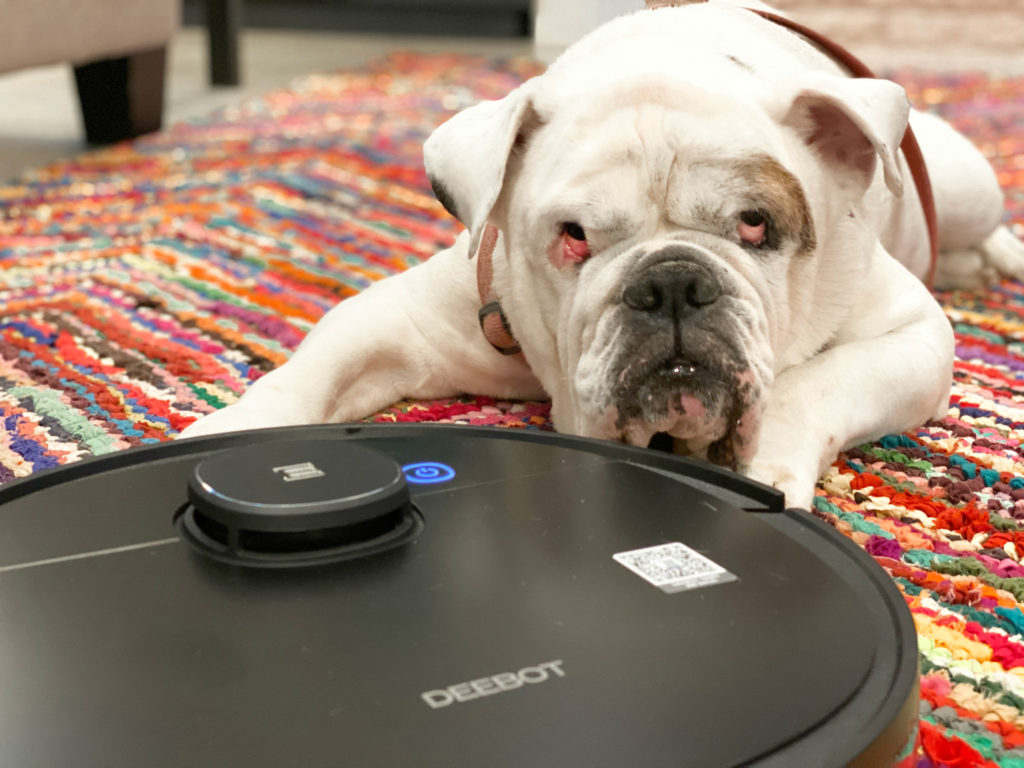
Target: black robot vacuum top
(430, 595)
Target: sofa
(117, 48)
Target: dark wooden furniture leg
(223, 21)
(122, 98)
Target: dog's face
(658, 239)
(663, 236)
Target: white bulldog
(698, 225)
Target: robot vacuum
(433, 595)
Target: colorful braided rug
(144, 285)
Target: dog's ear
(466, 157)
(853, 123)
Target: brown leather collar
(495, 324)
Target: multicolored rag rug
(144, 285)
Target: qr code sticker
(674, 567)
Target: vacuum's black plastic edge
(769, 497)
(892, 723)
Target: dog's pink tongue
(693, 408)
(737, 446)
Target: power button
(428, 473)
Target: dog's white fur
(654, 133)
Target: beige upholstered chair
(117, 48)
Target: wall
(992, 26)
(989, 28)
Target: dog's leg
(1000, 255)
(411, 335)
(888, 370)
(976, 250)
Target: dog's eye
(574, 242)
(753, 228)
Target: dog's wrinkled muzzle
(684, 367)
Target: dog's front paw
(798, 487)
(229, 419)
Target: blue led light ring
(428, 473)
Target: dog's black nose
(672, 287)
